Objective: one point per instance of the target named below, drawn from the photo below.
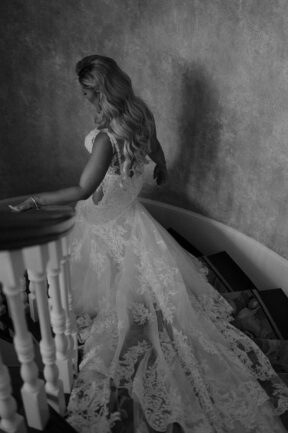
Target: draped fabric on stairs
(260, 315)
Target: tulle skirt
(159, 342)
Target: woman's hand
(160, 174)
(29, 203)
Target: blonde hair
(124, 114)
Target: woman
(159, 336)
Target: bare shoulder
(102, 150)
(98, 164)
(102, 141)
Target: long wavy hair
(124, 114)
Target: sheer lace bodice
(116, 192)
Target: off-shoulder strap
(112, 138)
(116, 149)
(89, 139)
(115, 145)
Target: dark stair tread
(276, 351)
(284, 377)
(251, 316)
(214, 279)
(211, 275)
(184, 243)
(276, 302)
(228, 271)
(284, 419)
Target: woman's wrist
(35, 201)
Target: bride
(159, 346)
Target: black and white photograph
(144, 216)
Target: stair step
(184, 243)
(277, 353)
(249, 315)
(276, 302)
(284, 377)
(214, 279)
(270, 311)
(284, 419)
(228, 272)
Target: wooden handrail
(33, 227)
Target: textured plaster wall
(215, 73)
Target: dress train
(158, 332)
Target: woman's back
(117, 191)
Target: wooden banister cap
(34, 227)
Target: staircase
(262, 315)
(37, 241)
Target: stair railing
(37, 241)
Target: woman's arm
(90, 179)
(157, 156)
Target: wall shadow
(199, 130)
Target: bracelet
(35, 202)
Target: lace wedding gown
(157, 328)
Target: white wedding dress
(157, 328)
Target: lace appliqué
(97, 258)
(155, 277)
(172, 347)
(75, 250)
(140, 313)
(115, 238)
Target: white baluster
(33, 392)
(11, 421)
(23, 293)
(64, 290)
(36, 259)
(72, 316)
(73, 324)
(70, 303)
(32, 301)
(58, 318)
